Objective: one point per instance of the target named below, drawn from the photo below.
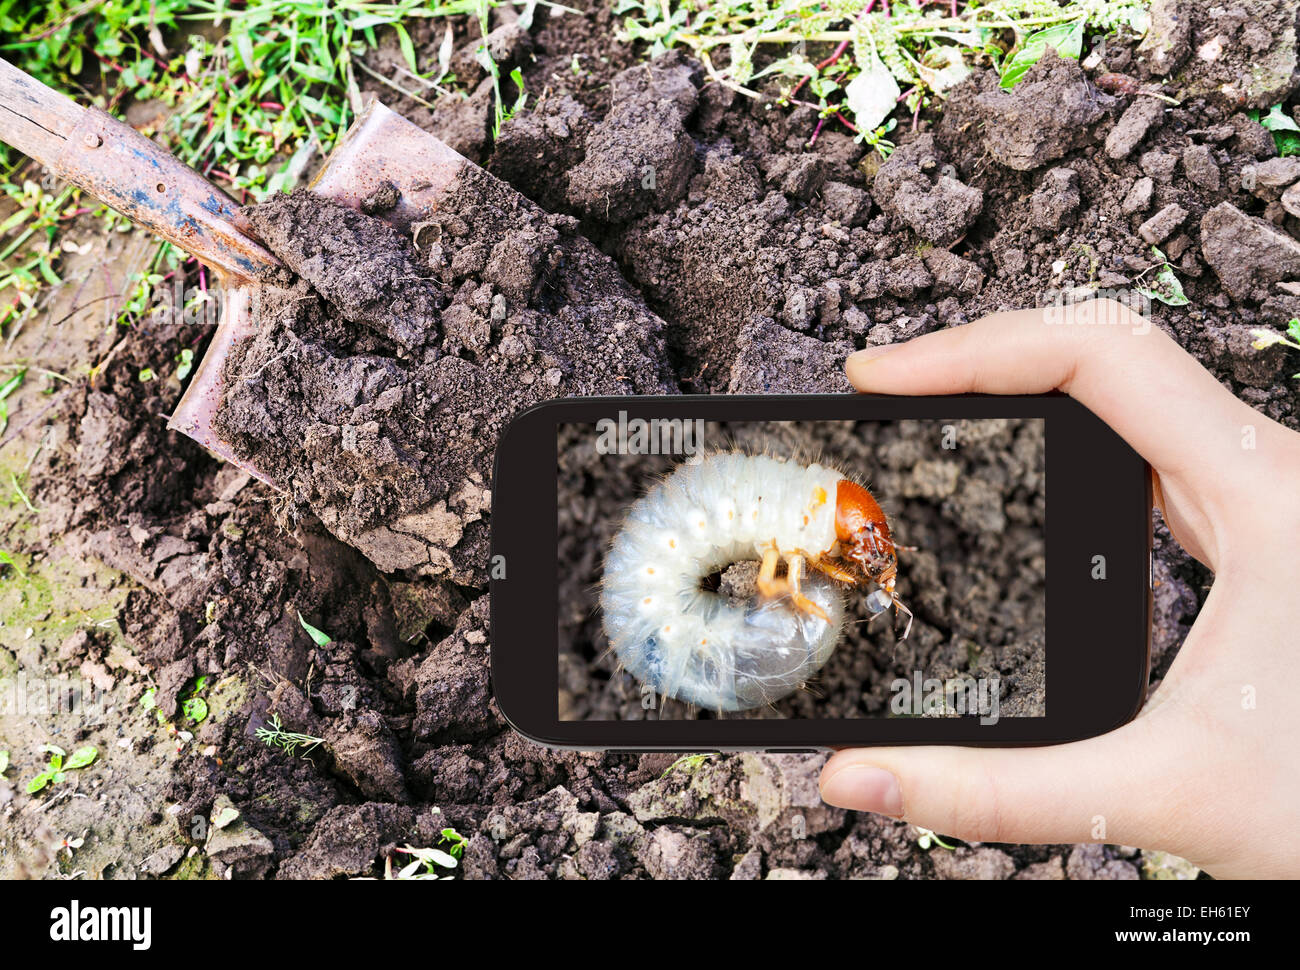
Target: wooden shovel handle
(128, 172)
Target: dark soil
(749, 262)
(976, 583)
(379, 383)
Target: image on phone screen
(801, 569)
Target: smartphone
(793, 573)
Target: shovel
(129, 173)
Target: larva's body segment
(687, 642)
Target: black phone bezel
(1099, 503)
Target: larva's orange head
(863, 532)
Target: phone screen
(735, 570)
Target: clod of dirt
(1048, 114)
(1248, 254)
(384, 197)
(954, 276)
(237, 849)
(852, 205)
(465, 123)
(1269, 179)
(508, 46)
(1169, 37)
(1252, 137)
(453, 696)
(1291, 200)
(773, 360)
(1095, 862)
(368, 755)
(357, 263)
(1241, 55)
(1160, 166)
(348, 839)
(982, 864)
(382, 430)
(535, 152)
(1163, 224)
(640, 157)
(1139, 196)
(1056, 200)
(1133, 126)
(916, 185)
(1201, 167)
(171, 681)
(799, 176)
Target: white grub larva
(687, 642)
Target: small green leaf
(1293, 329)
(1279, 120)
(4, 762)
(320, 638)
(517, 75)
(1065, 39)
(1168, 289)
(440, 858)
(1286, 131)
(39, 782)
(196, 709)
(82, 757)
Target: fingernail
(871, 353)
(865, 788)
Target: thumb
(1086, 791)
(1113, 361)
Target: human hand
(1208, 769)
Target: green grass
(870, 54)
(252, 90)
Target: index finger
(1129, 373)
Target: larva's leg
(768, 585)
(834, 571)
(802, 603)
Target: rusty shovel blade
(380, 146)
(128, 172)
